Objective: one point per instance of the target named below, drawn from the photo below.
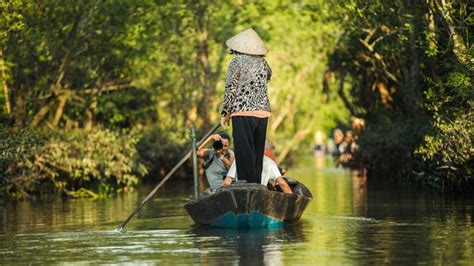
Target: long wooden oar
(150, 195)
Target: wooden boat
(250, 205)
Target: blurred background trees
(144, 71)
(409, 66)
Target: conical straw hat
(247, 42)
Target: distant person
(357, 124)
(319, 147)
(345, 145)
(335, 143)
(345, 148)
(217, 160)
(246, 102)
(354, 147)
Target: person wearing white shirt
(269, 172)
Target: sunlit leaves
(70, 161)
(417, 49)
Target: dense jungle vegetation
(97, 95)
(409, 68)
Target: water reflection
(57, 215)
(320, 162)
(245, 246)
(359, 194)
(351, 220)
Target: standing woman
(246, 102)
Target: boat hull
(247, 205)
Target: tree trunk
(343, 96)
(283, 114)
(89, 122)
(202, 58)
(432, 38)
(41, 114)
(411, 68)
(459, 47)
(19, 109)
(60, 109)
(299, 136)
(6, 91)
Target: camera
(217, 145)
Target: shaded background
(98, 95)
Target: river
(350, 221)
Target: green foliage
(161, 149)
(126, 109)
(74, 50)
(68, 161)
(114, 65)
(121, 63)
(447, 150)
(411, 68)
(387, 145)
(16, 147)
(452, 144)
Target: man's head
(225, 142)
(338, 136)
(348, 136)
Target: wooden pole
(150, 195)
(195, 173)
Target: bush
(78, 163)
(388, 147)
(162, 149)
(447, 150)
(17, 147)
(448, 156)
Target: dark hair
(239, 53)
(234, 52)
(224, 135)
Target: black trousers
(249, 135)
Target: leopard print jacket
(246, 85)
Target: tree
(410, 70)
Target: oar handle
(150, 195)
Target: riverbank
(84, 163)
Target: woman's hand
(227, 181)
(216, 137)
(224, 122)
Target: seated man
(270, 172)
(217, 160)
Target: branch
(380, 59)
(60, 109)
(92, 90)
(343, 96)
(276, 122)
(298, 137)
(459, 47)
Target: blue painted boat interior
(250, 220)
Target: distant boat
(250, 205)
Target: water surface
(349, 221)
